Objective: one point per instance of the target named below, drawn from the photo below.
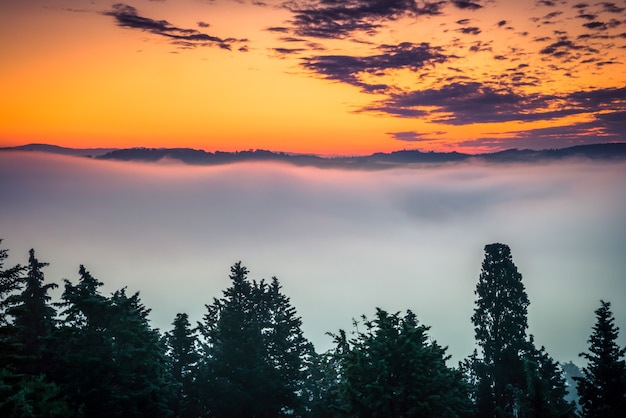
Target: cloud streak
(348, 69)
(340, 19)
(128, 17)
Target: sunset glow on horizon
(315, 76)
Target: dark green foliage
(25, 346)
(253, 351)
(500, 322)
(30, 397)
(10, 281)
(183, 359)
(513, 378)
(546, 388)
(110, 363)
(501, 308)
(602, 388)
(33, 317)
(393, 369)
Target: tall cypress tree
(513, 378)
(500, 323)
(602, 388)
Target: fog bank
(340, 242)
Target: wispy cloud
(348, 69)
(128, 17)
(339, 19)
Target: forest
(94, 355)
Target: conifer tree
(546, 388)
(110, 362)
(602, 388)
(252, 351)
(393, 369)
(25, 331)
(513, 378)
(33, 318)
(500, 322)
(183, 359)
(10, 281)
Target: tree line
(95, 355)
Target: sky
(341, 242)
(313, 76)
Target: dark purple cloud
(596, 25)
(470, 30)
(347, 69)
(289, 51)
(611, 7)
(339, 19)
(128, 17)
(464, 103)
(605, 127)
(587, 16)
(563, 48)
(548, 3)
(409, 136)
(469, 5)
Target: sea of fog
(341, 242)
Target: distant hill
(373, 161)
(614, 151)
(55, 149)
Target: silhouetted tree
(25, 328)
(500, 322)
(183, 363)
(546, 388)
(393, 369)
(602, 388)
(253, 351)
(110, 361)
(10, 281)
(33, 317)
(513, 378)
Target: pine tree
(602, 388)
(33, 318)
(393, 369)
(83, 354)
(183, 363)
(10, 282)
(546, 388)
(252, 351)
(110, 362)
(28, 321)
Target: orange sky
(325, 77)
